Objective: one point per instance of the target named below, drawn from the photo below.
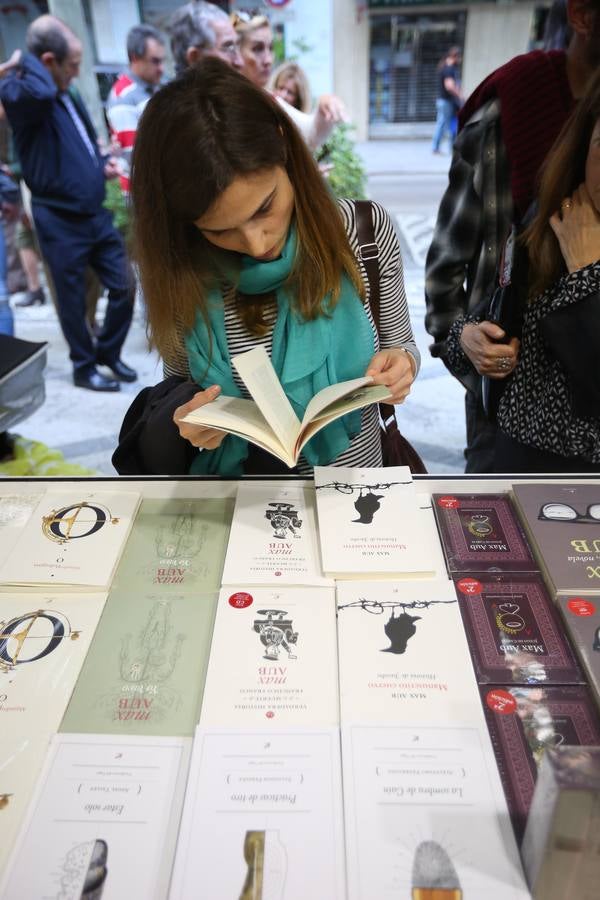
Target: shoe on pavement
(94, 381)
(120, 370)
(31, 298)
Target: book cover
(262, 818)
(403, 654)
(43, 641)
(177, 544)
(15, 510)
(369, 523)
(523, 723)
(273, 538)
(103, 821)
(481, 533)
(273, 660)
(560, 845)
(73, 537)
(563, 523)
(145, 671)
(425, 816)
(581, 615)
(514, 632)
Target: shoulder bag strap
(368, 252)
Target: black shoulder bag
(397, 451)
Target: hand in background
(11, 63)
(480, 343)
(396, 369)
(198, 435)
(577, 229)
(331, 108)
(111, 168)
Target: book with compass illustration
(273, 538)
(273, 660)
(562, 522)
(514, 631)
(73, 538)
(370, 525)
(44, 638)
(403, 654)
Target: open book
(269, 420)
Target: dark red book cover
(523, 723)
(515, 633)
(481, 533)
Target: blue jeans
(443, 123)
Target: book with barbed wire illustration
(370, 525)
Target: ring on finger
(566, 204)
(503, 363)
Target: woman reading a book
(240, 245)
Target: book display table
(191, 707)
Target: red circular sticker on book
(501, 701)
(580, 607)
(270, 714)
(469, 586)
(448, 502)
(241, 600)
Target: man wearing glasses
(201, 29)
(133, 89)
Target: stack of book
(532, 686)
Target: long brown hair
(564, 170)
(195, 137)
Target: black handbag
(396, 450)
(506, 310)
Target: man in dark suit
(65, 172)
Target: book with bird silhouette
(403, 654)
(268, 419)
(371, 525)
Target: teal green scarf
(307, 356)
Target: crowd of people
(238, 242)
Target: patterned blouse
(396, 331)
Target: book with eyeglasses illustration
(562, 522)
(268, 420)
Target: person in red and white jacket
(133, 89)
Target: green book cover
(177, 544)
(145, 670)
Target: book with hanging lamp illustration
(268, 420)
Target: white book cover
(44, 639)
(369, 524)
(273, 538)
(73, 537)
(425, 816)
(15, 510)
(432, 537)
(403, 654)
(262, 818)
(273, 661)
(103, 821)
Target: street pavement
(406, 178)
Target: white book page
(338, 399)
(238, 416)
(259, 376)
